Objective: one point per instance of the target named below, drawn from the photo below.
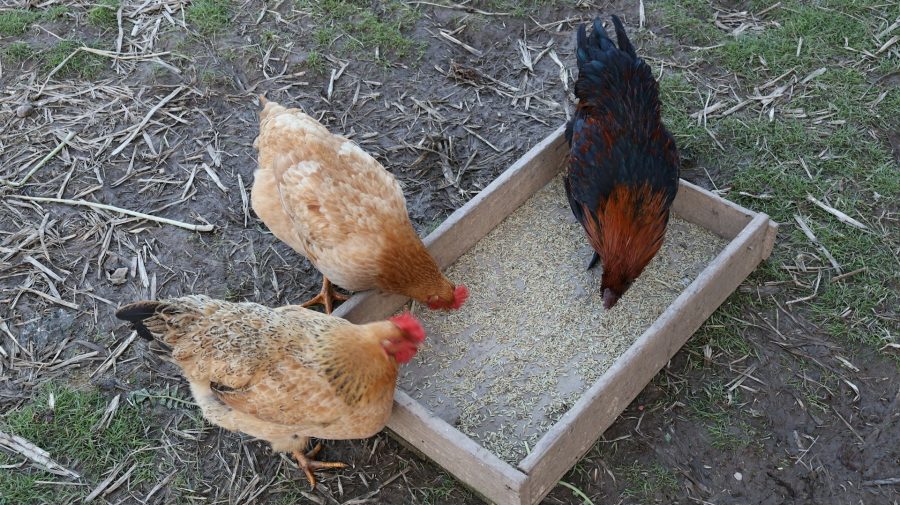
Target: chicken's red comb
(460, 295)
(410, 326)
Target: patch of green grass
(363, 26)
(209, 16)
(816, 389)
(17, 52)
(56, 13)
(836, 159)
(21, 488)
(232, 295)
(83, 65)
(854, 170)
(647, 482)
(268, 37)
(679, 98)
(104, 13)
(823, 26)
(521, 8)
(70, 433)
(730, 435)
(17, 21)
(709, 406)
(324, 36)
(439, 492)
(722, 332)
(691, 21)
(315, 62)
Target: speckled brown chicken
(335, 204)
(285, 374)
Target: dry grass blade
(43, 268)
(563, 71)
(461, 44)
(812, 237)
(146, 119)
(105, 483)
(479, 137)
(84, 203)
(34, 453)
(111, 360)
(844, 218)
(108, 414)
(215, 177)
(882, 482)
(525, 54)
(51, 298)
(117, 56)
(41, 163)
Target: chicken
(335, 204)
(623, 164)
(282, 375)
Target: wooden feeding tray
(513, 389)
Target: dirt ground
(764, 405)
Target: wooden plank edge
(595, 411)
(709, 210)
(421, 456)
(449, 240)
(455, 452)
(368, 306)
(771, 235)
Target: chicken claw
(326, 297)
(309, 465)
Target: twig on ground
(844, 218)
(41, 163)
(127, 212)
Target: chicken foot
(326, 296)
(310, 465)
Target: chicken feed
(534, 336)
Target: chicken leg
(326, 296)
(310, 465)
(594, 260)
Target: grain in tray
(534, 336)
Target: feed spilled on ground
(534, 336)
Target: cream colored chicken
(282, 375)
(335, 204)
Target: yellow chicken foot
(309, 465)
(326, 296)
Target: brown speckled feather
(325, 197)
(278, 374)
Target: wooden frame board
(751, 237)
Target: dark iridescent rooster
(623, 164)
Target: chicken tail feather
(135, 313)
(601, 64)
(622, 37)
